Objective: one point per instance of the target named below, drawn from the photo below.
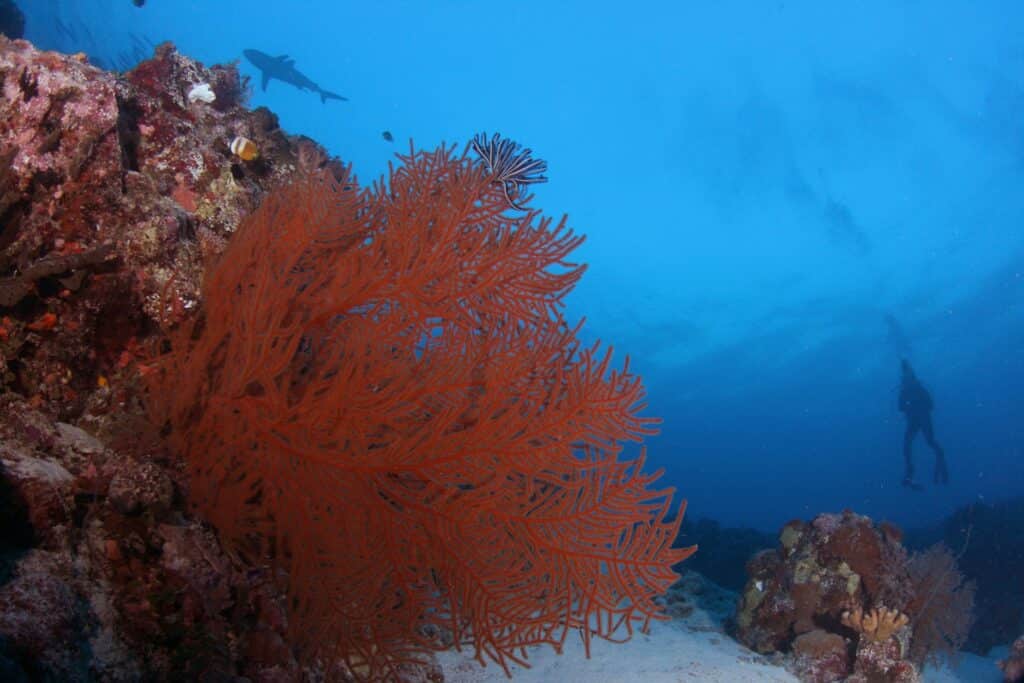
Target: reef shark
(283, 69)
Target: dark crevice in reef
(128, 114)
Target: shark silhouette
(283, 69)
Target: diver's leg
(908, 460)
(941, 473)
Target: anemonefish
(244, 148)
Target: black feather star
(510, 167)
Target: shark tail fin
(324, 96)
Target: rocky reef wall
(116, 190)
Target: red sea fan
(381, 398)
(942, 609)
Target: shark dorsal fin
(285, 59)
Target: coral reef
(843, 596)
(381, 399)
(115, 192)
(111, 581)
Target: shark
(283, 69)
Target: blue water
(781, 200)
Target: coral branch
(382, 398)
(14, 289)
(879, 624)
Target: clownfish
(244, 148)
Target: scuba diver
(916, 405)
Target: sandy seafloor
(687, 649)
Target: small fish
(388, 136)
(138, 3)
(244, 148)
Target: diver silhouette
(916, 405)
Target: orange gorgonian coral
(381, 398)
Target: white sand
(672, 652)
(690, 649)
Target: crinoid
(511, 167)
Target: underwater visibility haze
(781, 200)
(803, 221)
